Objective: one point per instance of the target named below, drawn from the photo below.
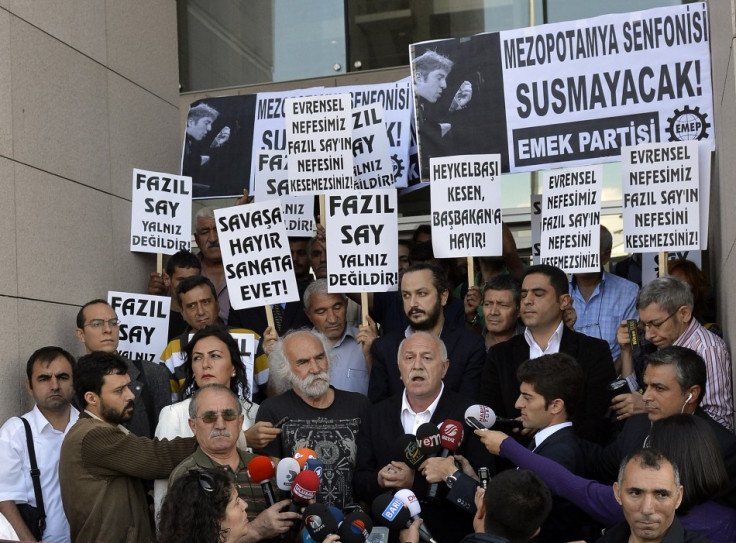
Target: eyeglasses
(656, 325)
(99, 323)
(210, 417)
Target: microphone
(409, 499)
(286, 472)
(451, 435)
(319, 521)
(408, 451)
(336, 513)
(260, 470)
(488, 418)
(428, 438)
(302, 455)
(390, 512)
(314, 464)
(356, 528)
(304, 488)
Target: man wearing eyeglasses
(666, 318)
(97, 329)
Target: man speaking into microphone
(423, 363)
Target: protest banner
(319, 143)
(536, 225)
(572, 93)
(661, 206)
(372, 165)
(362, 253)
(144, 324)
(271, 182)
(256, 255)
(161, 215)
(650, 262)
(466, 206)
(571, 218)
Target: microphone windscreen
(336, 513)
(408, 451)
(319, 521)
(409, 499)
(286, 472)
(482, 413)
(302, 455)
(306, 538)
(315, 465)
(390, 511)
(355, 528)
(451, 435)
(428, 437)
(261, 468)
(305, 487)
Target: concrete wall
(88, 91)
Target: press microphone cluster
(321, 521)
(398, 511)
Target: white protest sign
(650, 262)
(372, 166)
(144, 324)
(661, 197)
(248, 345)
(536, 224)
(320, 144)
(271, 181)
(161, 217)
(255, 251)
(571, 217)
(466, 206)
(362, 253)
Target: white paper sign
(361, 247)
(571, 217)
(319, 143)
(271, 181)
(372, 166)
(144, 324)
(255, 251)
(466, 205)
(161, 218)
(661, 193)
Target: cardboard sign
(661, 190)
(144, 324)
(571, 218)
(372, 166)
(256, 255)
(161, 218)
(362, 245)
(466, 206)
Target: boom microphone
(488, 418)
(410, 500)
(260, 470)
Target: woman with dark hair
(212, 356)
(686, 440)
(203, 507)
(703, 299)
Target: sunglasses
(210, 417)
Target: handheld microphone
(428, 438)
(390, 512)
(286, 472)
(410, 500)
(304, 488)
(319, 521)
(451, 435)
(302, 455)
(260, 470)
(336, 513)
(314, 464)
(356, 528)
(488, 418)
(408, 451)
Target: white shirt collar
(411, 420)
(553, 345)
(543, 434)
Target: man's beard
(312, 386)
(116, 417)
(433, 317)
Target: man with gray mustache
(321, 417)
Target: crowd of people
(615, 400)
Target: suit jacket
(465, 349)
(499, 386)
(377, 447)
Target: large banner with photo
(569, 93)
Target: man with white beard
(320, 417)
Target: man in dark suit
(550, 391)
(423, 363)
(425, 292)
(544, 298)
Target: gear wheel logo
(398, 165)
(687, 125)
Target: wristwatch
(450, 479)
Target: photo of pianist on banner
(458, 98)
